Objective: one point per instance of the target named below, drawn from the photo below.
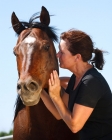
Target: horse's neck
(34, 112)
(36, 116)
(31, 112)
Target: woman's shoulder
(94, 77)
(93, 74)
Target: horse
(36, 59)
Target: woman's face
(66, 59)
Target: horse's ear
(16, 24)
(44, 16)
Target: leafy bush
(5, 133)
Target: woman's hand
(54, 85)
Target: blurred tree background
(3, 133)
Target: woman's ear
(77, 57)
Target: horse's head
(35, 54)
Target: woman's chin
(61, 66)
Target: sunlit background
(91, 16)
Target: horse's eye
(46, 47)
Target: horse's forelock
(50, 31)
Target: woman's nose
(57, 54)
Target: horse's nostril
(33, 86)
(18, 86)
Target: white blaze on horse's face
(30, 39)
(27, 59)
(28, 94)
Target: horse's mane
(50, 31)
(18, 106)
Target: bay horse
(36, 59)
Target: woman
(86, 104)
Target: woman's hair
(81, 43)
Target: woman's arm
(75, 120)
(49, 104)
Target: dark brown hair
(81, 43)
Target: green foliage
(10, 132)
(5, 133)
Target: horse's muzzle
(29, 91)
